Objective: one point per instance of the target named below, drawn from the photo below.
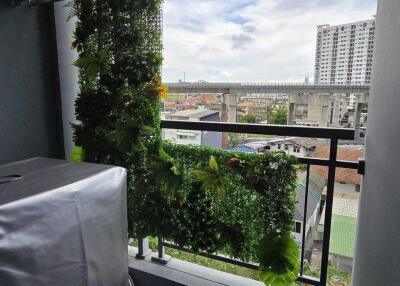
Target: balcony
(37, 107)
(333, 135)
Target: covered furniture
(63, 223)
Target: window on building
(286, 147)
(183, 137)
(297, 227)
(279, 146)
(296, 149)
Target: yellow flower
(163, 91)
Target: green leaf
(92, 70)
(164, 156)
(83, 62)
(77, 154)
(279, 260)
(166, 172)
(213, 163)
(211, 178)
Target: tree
(248, 118)
(278, 116)
(234, 139)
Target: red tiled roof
(343, 175)
(169, 103)
(246, 104)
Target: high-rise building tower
(344, 53)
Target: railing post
(143, 248)
(303, 240)
(328, 210)
(160, 256)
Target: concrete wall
(29, 98)
(68, 72)
(377, 255)
(318, 109)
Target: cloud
(249, 41)
(240, 41)
(249, 28)
(305, 4)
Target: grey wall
(68, 72)
(377, 256)
(29, 107)
(212, 139)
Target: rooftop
(193, 113)
(246, 104)
(349, 153)
(315, 188)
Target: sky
(249, 40)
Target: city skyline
(249, 40)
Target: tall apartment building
(344, 56)
(344, 53)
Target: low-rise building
(195, 137)
(247, 107)
(346, 181)
(299, 147)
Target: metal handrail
(279, 130)
(333, 134)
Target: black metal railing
(334, 135)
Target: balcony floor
(179, 272)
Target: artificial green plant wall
(208, 200)
(234, 203)
(119, 47)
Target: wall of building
(377, 255)
(289, 149)
(29, 98)
(209, 138)
(346, 189)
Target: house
(207, 98)
(313, 214)
(346, 181)
(299, 147)
(168, 105)
(191, 103)
(296, 146)
(247, 107)
(188, 137)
